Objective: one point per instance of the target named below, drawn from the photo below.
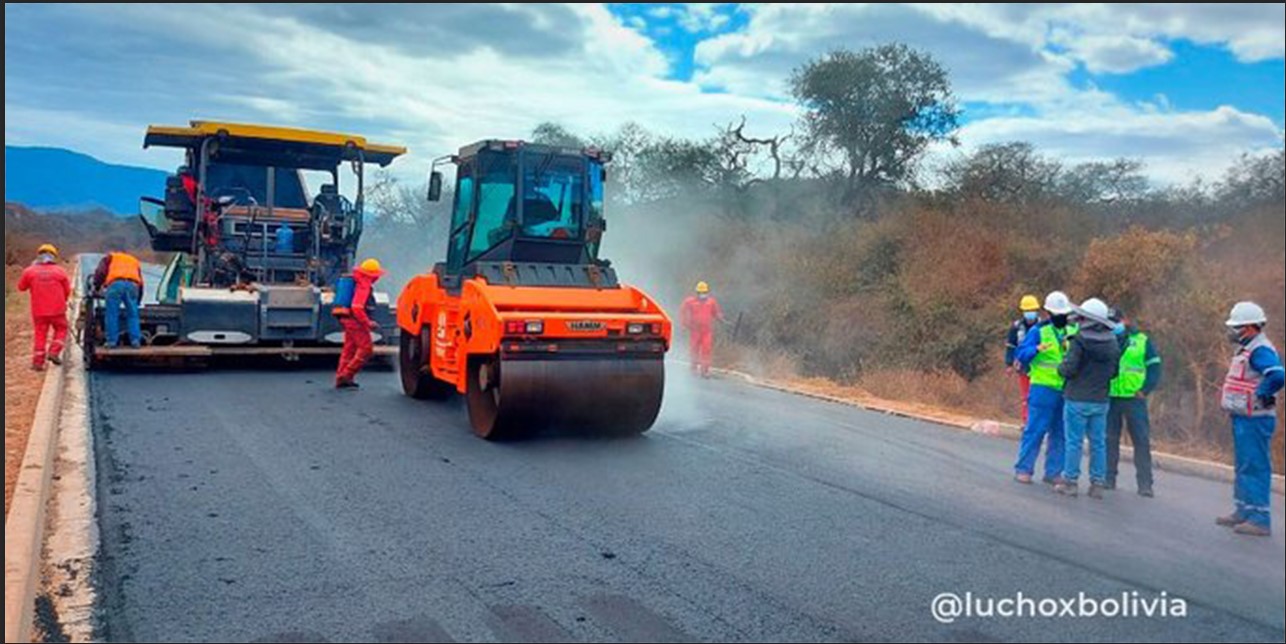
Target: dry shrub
(1129, 268)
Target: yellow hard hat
(1030, 304)
(47, 249)
(703, 288)
(372, 266)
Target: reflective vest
(1044, 369)
(1134, 368)
(1241, 388)
(124, 267)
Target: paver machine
(255, 256)
(524, 318)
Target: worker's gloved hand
(375, 326)
(1268, 402)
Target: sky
(1186, 88)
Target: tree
(549, 133)
(1106, 183)
(871, 115)
(1256, 181)
(1012, 173)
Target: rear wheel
(412, 360)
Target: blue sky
(1185, 88)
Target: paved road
(265, 507)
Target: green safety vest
(1044, 369)
(1134, 368)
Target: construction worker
(1041, 354)
(355, 317)
(120, 278)
(1250, 397)
(1092, 362)
(50, 288)
(1030, 307)
(698, 317)
(1141, 374)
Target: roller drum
(512, 399)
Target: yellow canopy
(314, 144)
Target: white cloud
(288, 70)
(91, 77)
(1114, 54)
(1177, 147)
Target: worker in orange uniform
(698, 317)
(50, 288)
(120, 278)
(354, 316)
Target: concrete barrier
(24, 530)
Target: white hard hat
(1059, 304)
(1247, 314)
(1096, 309)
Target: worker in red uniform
(698, 317)
(50, 289)
(355, 317)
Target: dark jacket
(1017, 334)
(1093, 361)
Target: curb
(24, 530)
(1181, 465)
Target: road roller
(524, 319)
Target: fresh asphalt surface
(263, 506)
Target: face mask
(1032, 318)
(1239, 336)
(703, 297)
(1060, 321)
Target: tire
(411, 362)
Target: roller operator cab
(523, 318)
(255, 253)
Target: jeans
(123, 294)
(1253, 439)
(1131, 412)
(1044, 421)
(1086, 420)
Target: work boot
(1147, 493)
(347, 385)
(1069, 490)
(1249, 529)
(1231, 521)
(1054, 481)
(57, 361)
(37, 368)
(1023, 479)
(1096, 492)
(1110, 486)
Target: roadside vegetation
(844, 256)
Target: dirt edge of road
(1165, 462)
(22, 386)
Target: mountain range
(58, 180)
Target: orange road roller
(524, 318)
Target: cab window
(497, 213)
(553, 197)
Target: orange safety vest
(124, 267)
